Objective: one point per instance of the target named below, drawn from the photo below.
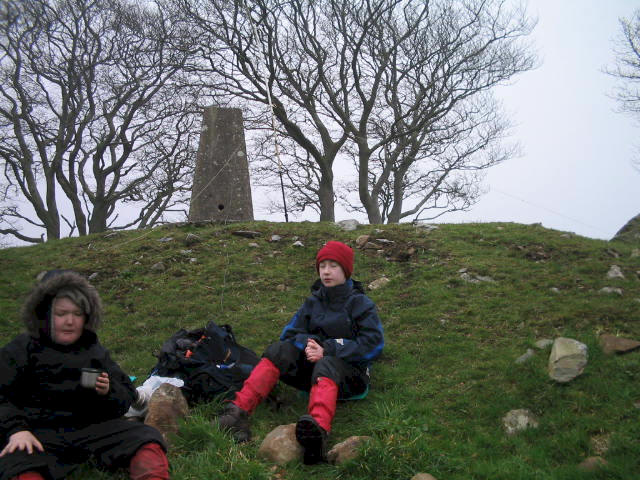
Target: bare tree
(90, 116)
(627, 69)
(381, 80)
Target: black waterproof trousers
(298, 372)
(112, 443)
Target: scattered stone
(543, 343)
(362, 240)
(443, 321)
(275, 238)
(347, 450)
(165, 239)
(615, 272)
(280, 445)
(371, 246)
(423, 476)
(635, 252)
(158, 267)
(348, 225)
(254, 245)
(567, 360)
(246, 233)
(606, 290)
(192, 239)
(193, 260)
(555, 289)
(613, 344)
(526, 356)
(428, 227)
(384, 241)
(612, 253)
(518, 420)
(378, 231)
(636, 404)
(93, 276)
(470, 278)
(298, 243)
(600, 443)
(281, 288)
(112, 235)
(186, 252)
(167, 406)
(592, 464)
(379, 283)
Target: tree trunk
(326, 197)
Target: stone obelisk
(221, 187)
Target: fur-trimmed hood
(37, 307)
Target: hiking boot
(313, 439)
(235, 420)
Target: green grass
(448, 373)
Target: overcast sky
(575, 173)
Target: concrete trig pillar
(221, 186)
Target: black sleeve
(13, 364)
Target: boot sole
(309, 435)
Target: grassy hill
(448, 373)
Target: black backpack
(208, 359)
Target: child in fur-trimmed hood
(49, 422)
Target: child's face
(68, 321)
(331, 273)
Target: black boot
(313, 439)
(235, 420)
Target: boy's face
(68, 321)
(331, 273)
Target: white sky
(575, 173)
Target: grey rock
(362, 240)
(254, 245)
(280, 445)
(613, 344)
(165, 239)
(378, 283)
(526, 356)
(298, 243)
(346, 450)
(158, 267)
(423, 476)
(275, 238)
(471, 278)
(567, 360)
(348, 225)
(517, 420)
(611, 290)
(615, 272)
(428, 227)
(93, 276)
(192, 239)
(167, 406)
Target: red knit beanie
(338, 252)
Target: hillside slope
(462, 304)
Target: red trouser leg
(322, 402)
(29, 476)
(263, 378)
(149, 463)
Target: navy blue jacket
(342, 319)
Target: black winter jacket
(40, 380)
(342, 319)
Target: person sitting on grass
(49, 422)
(326, 349)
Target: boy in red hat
(326, 349)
